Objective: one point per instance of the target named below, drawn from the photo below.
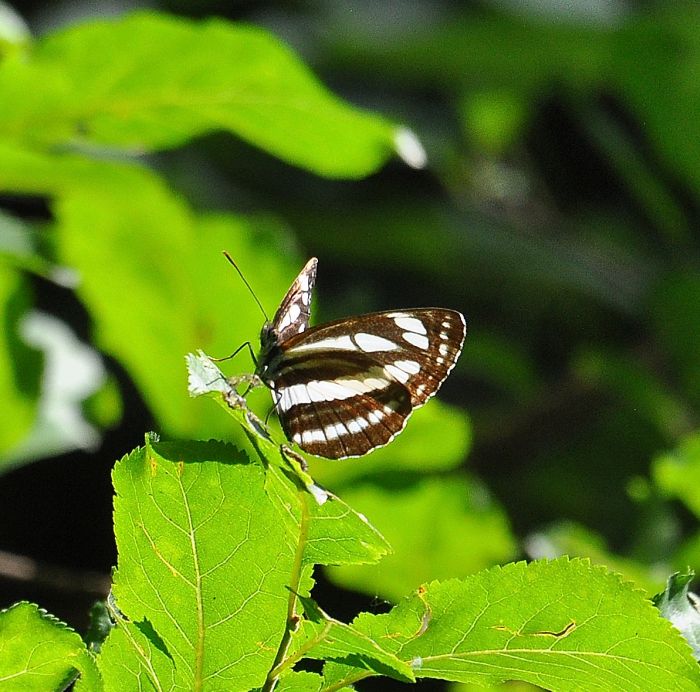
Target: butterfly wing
(349, 386)
(343, 405)
(292, 316)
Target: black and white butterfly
(347, 387)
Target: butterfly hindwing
(347, 409)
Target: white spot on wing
(444, 349)
(353, 426)
(292, 396)
(397, 373)
(370, 343)
(331, 390)
(341, 429)
(362, 422)
(418, 340)
(375, 417)
(369, 384)
(290, 316)
(409, 366)
(327, 390)
(311, 436)
(410, 324)
(341, 343)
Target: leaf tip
(409, 148)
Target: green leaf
(133, 658)
(203, 553)
(299, 682)
(563, 625)
(20, 366)
(322, 637)
(186, 586)
(338, 535)
(677, 473)
(681, 607)
(510, 686)
(438, 527)
(229, 77)
(38, 652)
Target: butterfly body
(347, 387)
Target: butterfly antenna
(248, 286)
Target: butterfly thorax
(270, 353)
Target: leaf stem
(301, 652)
(295, 578)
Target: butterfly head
(269, 350)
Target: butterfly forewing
(347, 387)
(292, 316)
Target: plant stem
(292, 617)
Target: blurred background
(558, 211)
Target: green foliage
(148, 319)
(563, 625)
(20, 367)
(582, 360)
(237, 78)
(209, 541)
(38, 652)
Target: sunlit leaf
(38, 652)
(202, 553)
(563, 625)
(232, 77)
(323, 637)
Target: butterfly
(347, 387)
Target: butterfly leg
(245, 344)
